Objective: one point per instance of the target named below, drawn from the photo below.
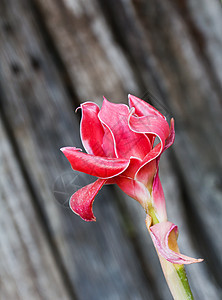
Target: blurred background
(55, 54)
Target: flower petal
(146, 171)
(81, 202)
(160, 234)
(101, 167)
(109, 143)
(158, 198)
(128, 143)
(134, 165)
(91, 129)
(170, 140)
(134, 189)
(154, 125)
(142, 108)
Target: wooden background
(55, 54)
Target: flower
(121, 147)
(119, 141)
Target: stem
(175, 274)
(176, 279)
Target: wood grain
(56, 54)
(34, 102)
(28, 269)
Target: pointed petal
(160, 234)
(101, 167)
(128, 143)
(134, 189)
(142, 108)
(91, 129)
(159, 199)
(81, 202)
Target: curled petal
(142, 108)
(91, 129)
(146, 172)
(134, 189)
(154, 125)
(134, 165)
(81, 202)
(128, 143)
(101, 167)
(161, 234)
(166, 137)
(158, 198)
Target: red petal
(81, 202)
(109, 143)
(91, 129)
(133, 167)
(134, 189)
(148, 166)
(146, 172)
(142, 108)
(128, 143)
(154, 125)
(129, 172)
(160, 234)
(159, 199)
(101, 167)
(150, 125)
(170, 140)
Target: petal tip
(85, 214)
(86, 219)
(66, 149)
(79, 107)
(81, 202)
(92, 219)
(63, 149)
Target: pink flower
(119, 141)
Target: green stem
(175, 274)
(176, 279)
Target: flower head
(119, 141)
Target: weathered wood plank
(99, 258)
(54, 16)
(88, 49)
(162, 63)
(88, 73)
(27, 267)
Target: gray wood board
(28, 270)
(44, 79)
(99, 258)
(174, 65)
